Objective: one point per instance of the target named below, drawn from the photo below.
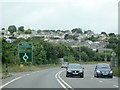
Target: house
(79, 44)
(10, 40)
(25, 36)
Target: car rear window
(74, 66)
(103, 66)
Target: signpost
(25, 52)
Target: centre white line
(62, 82)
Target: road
(56, 78)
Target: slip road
(56, 78)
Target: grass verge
(96, 62)
(17, 68)
(116, 71)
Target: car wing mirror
(66, 67)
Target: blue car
(103, 70)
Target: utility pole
(105, 59)
(79, 52)
(113, 60)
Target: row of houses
(59, 38)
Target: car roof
(74, 64)
(102, 64)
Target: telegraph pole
(105, 59)
(79, 52)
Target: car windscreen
(104, 66)
(74, 66)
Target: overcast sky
(96, 15)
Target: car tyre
(97, 76)
(67, 75)
(111, 77)
(82, 76)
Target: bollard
(6, 68)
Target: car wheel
(67, 75)
(82, 76)
(97, 76)
(111, 77)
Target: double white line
(62, 82)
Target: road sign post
(25, 52)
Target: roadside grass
(96, 62)
(25, 68)
(17, 68)
(116, 71)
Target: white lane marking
(33, 72)
(10, 82)
(91, 78)
(100, 81)
(115, 86)
(63, 80)
(38, 71)
(60, 81)
(13, 80)
(27, 74)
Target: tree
(88, 51)
(21, 28)
(46, 30)
(3, 29)
(29, 31)
(113, 41)
(92, 38)
(77, 30)
(65, 31)
(38, 31)
(84, 57)
(117, 50)
(12, 29)
(69, 58)
(111, 34)
(88, 31)
(67, 36)
(104, 33)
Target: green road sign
(25, 52)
